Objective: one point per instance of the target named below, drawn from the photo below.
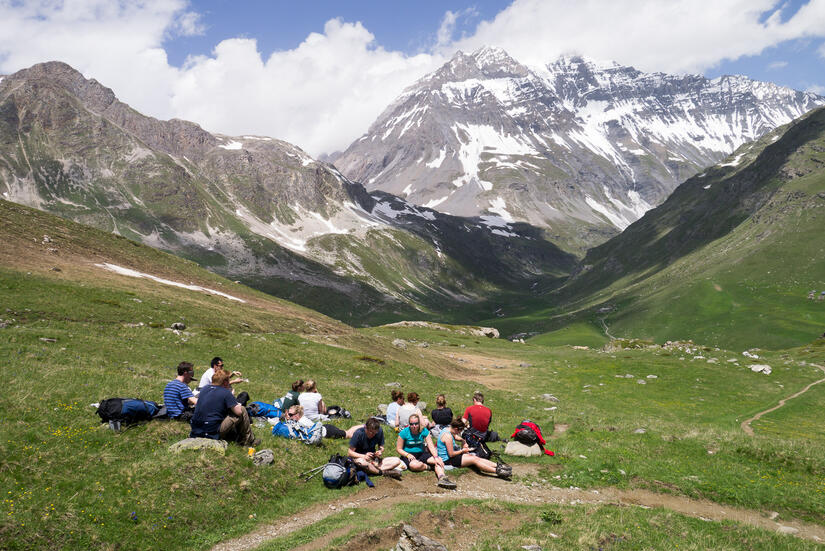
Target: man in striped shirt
(177, 396)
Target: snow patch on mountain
(233, 145)
(134, 273)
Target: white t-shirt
(309, 401)
(206, 378)
(392, 409)
(404, 413)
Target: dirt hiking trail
(746, 424)
(417, 486)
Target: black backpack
(526, 435)
(128, 410)
(338, 412)
(340, 471)
(476, 439)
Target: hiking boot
(445, 482)
(391, 473)
(504, 471)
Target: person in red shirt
(479, 416)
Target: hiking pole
(312, 472)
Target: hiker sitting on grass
(296, 413)
(312, 402)
(442, 416)
(478, 416)
(366, 448)
(392, 408)
(454, 451)
(219, 416)
(217, 365)
(291, 398)
(178, 397)
(410, 408)
(418, 453)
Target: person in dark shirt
(366, 448)
(219, 416)
(442, 415)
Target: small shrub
(155, 324)
(551, 517)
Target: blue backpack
(262, 409)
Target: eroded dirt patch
(414, 487)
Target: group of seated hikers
(214, 412)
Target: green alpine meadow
(632, 261)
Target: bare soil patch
(473, 486)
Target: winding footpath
(746, 424)
(416, 487)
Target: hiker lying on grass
(217, 365)
(178, 397)
(296, 413)
(418, 453)
(366, 448)
(312, 402)
(219, 416)
(454, 451)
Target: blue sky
(317, 72)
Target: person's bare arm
(192, 400)
(237, 409)
(322, 407)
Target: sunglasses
(414, 424)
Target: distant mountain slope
(730, 258)
(580, 148)
(251, 208)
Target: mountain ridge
(575, 147)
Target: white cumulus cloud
(653, 35)
(325, 92)
(321, 95)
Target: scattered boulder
(423, 345)
(761, 368)
(652, 376)
(178, 326)
(532, 547)
(489, 332)
(394, 385)
(520, 450)
(399, 343)
(48, 339)
(525, 364)
(749, 354)
(412, 540)
(639, 431)
(641, 382)
(218, 446)
(549, 398)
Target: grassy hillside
(729, 259)
(72, 336)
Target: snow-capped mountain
(580, 148)
(252, 208)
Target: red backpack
(529, 434)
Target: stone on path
(398, 343)
(412, 540)
(218, 446)
(520, 450)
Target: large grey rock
(412, 540)
(520, 450)
(399, 343)
(218, 446)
